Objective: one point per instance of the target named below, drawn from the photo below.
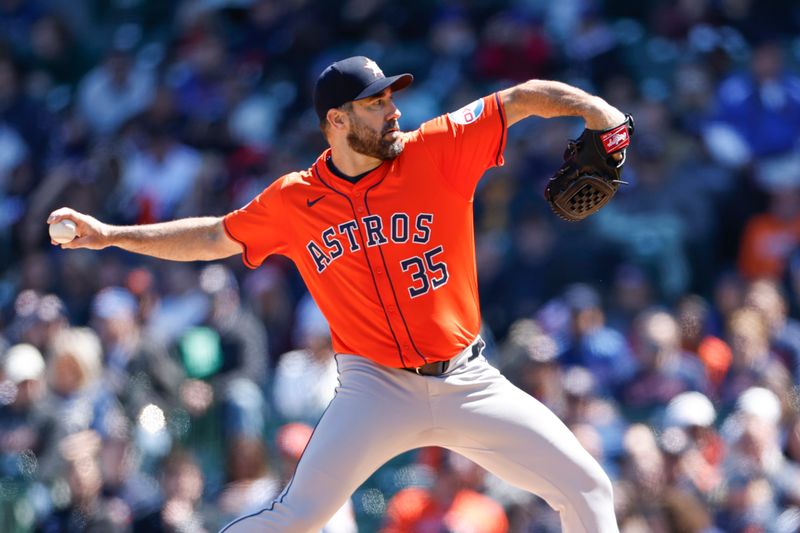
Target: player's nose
(393, 111)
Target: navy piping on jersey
(502, 111)
(369, 265)
(241, 243)
(340, 174)
(394, 292)
(285, 491)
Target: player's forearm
(188, 239)
(549, 99)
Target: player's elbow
(218, 244)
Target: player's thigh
(530, 444)
(360, 430)
(370, 420)
(376, 414)
(517, 438)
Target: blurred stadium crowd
(142, 395)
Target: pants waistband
(440, 367)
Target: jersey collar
(344, 186)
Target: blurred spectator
(528, 275)
(727, 297)
(693, 94)
(216, 395)
(675, 19)
(181, 303)
(306, 378)
(127, 487)
(202, 74)
(758, 114)
(80, 400)
(770, 237)
(224, 362)
(37, 318)
(684, 512)
(693, 315)
(513, 48)
(450, 504)
(26, 429)
(588, 410)
(158, 177)
(692, 446)
(24, 115)
(632, 293)
(591, 42)
(267, 292)
(54, 54)
(792, 446)
(665, 370)
(290, 441)
(593, 344)
(251, 482)
(87, 510)
(529, 359)
(784, 331)
(749, 505)
(758, 473)
(17, 17)
(114, 91)
(225, 359)
(644, 474)
(243, 337)
(132, 356)
(14, 175)
(182, 508)
(753, 361)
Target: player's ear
(336, 118)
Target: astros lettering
(335, 239)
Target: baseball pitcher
(381, 230)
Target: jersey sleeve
(260, 227)
(467, 142)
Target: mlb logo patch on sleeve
(467, 114)
(616, 139)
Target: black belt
(440, 367)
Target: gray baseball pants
(380, 412)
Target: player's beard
(367, 141)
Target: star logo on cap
(373, 66)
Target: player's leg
(377, 413)
(514, 436)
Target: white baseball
(63, 231)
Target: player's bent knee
(598, 491)
(604, 488)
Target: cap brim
(397, 83)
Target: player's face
(374, 129)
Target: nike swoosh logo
(310, 203)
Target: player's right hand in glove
(591, 172)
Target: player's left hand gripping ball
(591, 172)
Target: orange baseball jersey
(390, 260)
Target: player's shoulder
(448, 123)
(296, 179)
(411, 137)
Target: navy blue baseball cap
(351, 79)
